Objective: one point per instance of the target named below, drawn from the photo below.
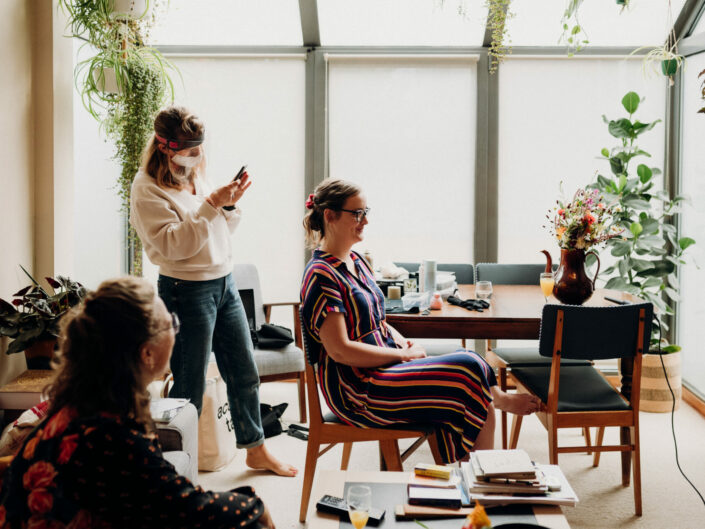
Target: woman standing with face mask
(185, 229)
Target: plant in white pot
(650, 252)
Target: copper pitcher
(573, 286)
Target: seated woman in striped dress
(370, 375)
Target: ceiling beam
(310, 29)
(687, 18)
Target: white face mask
(187, 161)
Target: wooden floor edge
(693, 400)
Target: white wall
(16, 182)
(404, 130)
(551, 130)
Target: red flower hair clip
(309, 202)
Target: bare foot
(259, 458)
(516, 403)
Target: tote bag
(216, 437)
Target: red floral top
(104, 471)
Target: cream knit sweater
(182, 233)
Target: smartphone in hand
(240, 173)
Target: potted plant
(122, 84)
(649, 253)
(32, 319)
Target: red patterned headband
(309, 202)
(178, 145)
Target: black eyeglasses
(358, 214)
(175, 324)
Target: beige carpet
(669, 502)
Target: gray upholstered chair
(179, 441)
(273, 364)
(464, 275)
(503, 358)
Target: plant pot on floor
(655, 395)
(40, 354)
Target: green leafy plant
(650, 250)
(140, 73)
(497, 16)
(34, 314)
(574, 36)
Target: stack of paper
(509, 476)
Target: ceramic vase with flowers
(578, 226)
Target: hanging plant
(665, 58)
(574, 36)
(140, 81)
(497, 15)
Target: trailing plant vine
(574, 36)
(497, 16)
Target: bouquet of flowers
(584, 222)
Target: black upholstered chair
(579, 396)
(326, 428)
(464, 275)
(503, 358)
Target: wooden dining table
(514, 313)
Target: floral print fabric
(106, 472)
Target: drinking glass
(359, 503)
(483, 290)
(546, 281)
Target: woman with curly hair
(95, 460)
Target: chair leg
(625, 438)
(552, 442)
(598, 442)
(588, 442)
(309, 472)
(435, 450)
(503, 387)
(636, 463)
(301, 382)
(347, 449)
(390, 455)
(516, 428)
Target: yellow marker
(432, 471)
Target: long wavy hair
(173, 122)
(329, 194)
(100, 369)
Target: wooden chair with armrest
(579, 396)
(328, 429)
(503, 358)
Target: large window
(404, 129)
(551, 131)
(691, 309)
(402, 22)
(253, 109)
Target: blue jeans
(213, 318)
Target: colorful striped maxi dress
(451, 391)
